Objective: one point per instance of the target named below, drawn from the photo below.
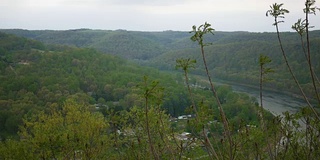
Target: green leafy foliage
(236, 60)
(231, 57)
(277, 12)
(263, 61)
(67, 132)
(73, 103)
(200, 32)
(33, 78)
(53, 93)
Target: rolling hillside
(233, 56)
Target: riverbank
(256, 87)
(274, 101)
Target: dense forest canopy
(96, 94)
(232, 57)
(54, 83)
(35, 76)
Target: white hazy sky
(147, 15)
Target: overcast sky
(147, 15)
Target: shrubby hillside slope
(233, 56)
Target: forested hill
(64, 102)
(233, 56)
(127, 44)
(37, 77)
(149, 45)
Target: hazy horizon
(290, 31)
(147, 15)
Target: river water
(276, 103)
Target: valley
(128, 86)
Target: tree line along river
(274, 102)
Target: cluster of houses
(186, 116)
(182, 117)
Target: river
(276, 103)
